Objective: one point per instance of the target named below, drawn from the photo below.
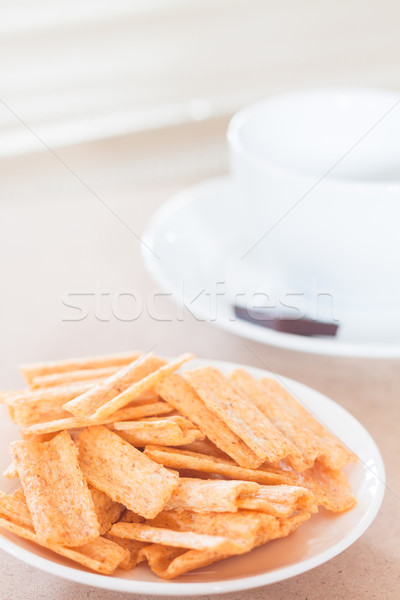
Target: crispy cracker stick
(166, 432)
(177, 392)
(138, 410)
(55, 379)
(169, 563)
(29, 371)
(240, 414)
(36, 406)
(182, 459)
(112, 386)
(205, 447)
(175, 420)
(282, 418)
(56, 492)
(128, 516)
(100, 555)
(245, 527)
(209, 495)
(242, 526)
(283, 528)
(329, 486)
(292, 419)
(112, 465)
(139, 387)
(13, 508)
(330, 449)
(6, 395)
(10, 472)
(107, 511)
(19, 495)
(133, 548)
(131, 412)
(278, 500)
(42, 437)
(177, 539)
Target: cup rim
(241, 118)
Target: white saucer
(321, 538)
(204, 233)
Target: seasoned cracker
(177, 392)
(278, 500)
(176, 539)
(244, 526)
(330, 487)
(13, 508)
(239, 463)
(10, 472)
(139, 386)
(331, 450)
(56, 492)
(130, 412)
(210, 495)
(100, 555)
(101, 394)
(31, 370)
(173, 431)
(182, 459)
(240, 414)
(38, 406)
(133, 548)
(125, 474)
(107, 511)
(42, 381)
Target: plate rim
(247, 330)
(168, 588)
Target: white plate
(319, 539)
(198, 240)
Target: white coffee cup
(321, 168)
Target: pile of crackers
(123, 460)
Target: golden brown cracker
(176, 539)
(31, 370)
(38, 406)
(182, 459)
(139, 386)
(10, 472)
(243, 526)
(103, 392)
(177, 392)
(107, 511)
(68, 377)
(125, 474)
(209, 495)
(331, 450)
(239, 414)
(130, 412)
(278, 500)
(100, 555)
(133, 549)
(56, 492)
(166, 432)
(330, 487)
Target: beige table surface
(57, 238)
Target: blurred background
(109, 108)
(77, 71)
